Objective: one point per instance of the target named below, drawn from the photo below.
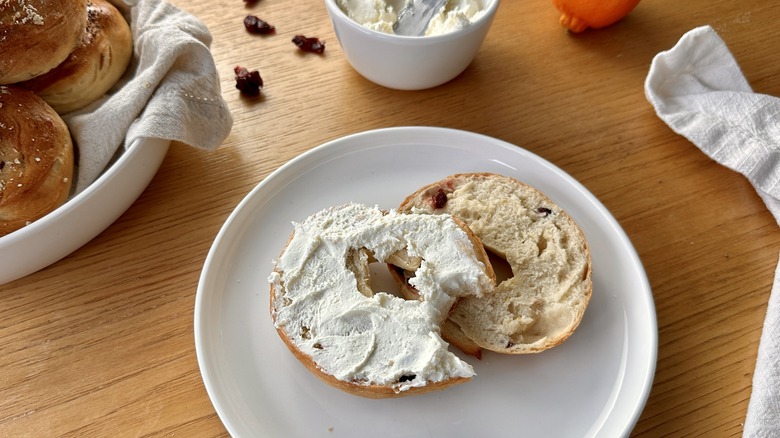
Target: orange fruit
(578, 15)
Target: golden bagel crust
(98, 62)
(360, 388)
(543, 303)
(36, 158)
(37, 35)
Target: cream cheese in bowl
(380, 15)
(364, 29)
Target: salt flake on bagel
(372, 343)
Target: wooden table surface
(101, 343)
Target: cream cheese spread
(380, 15)
(377, 339)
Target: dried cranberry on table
(307, 44)
(254, 24)
(248, 82)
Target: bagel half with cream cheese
(372, 343)
(543, 300)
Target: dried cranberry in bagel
(439, 199)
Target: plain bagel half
(543, 300)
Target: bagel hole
(407, 291)
(500, 266)
(381, 280)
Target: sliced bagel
(543, 300)
(372, 343)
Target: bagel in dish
(96, 64)
(36, 158)
(372, 343)
(544, 298)
(37, 35)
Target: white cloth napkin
(698, 89)
(171, 91)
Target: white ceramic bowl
(84, 216)
(409, 63)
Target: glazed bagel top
(94, 67)
(37, 35)
(367, 338)
(36, 158)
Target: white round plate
(593, 385)
(84, 216)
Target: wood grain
(101, 343)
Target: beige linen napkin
(698, 89)
(171, 91)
